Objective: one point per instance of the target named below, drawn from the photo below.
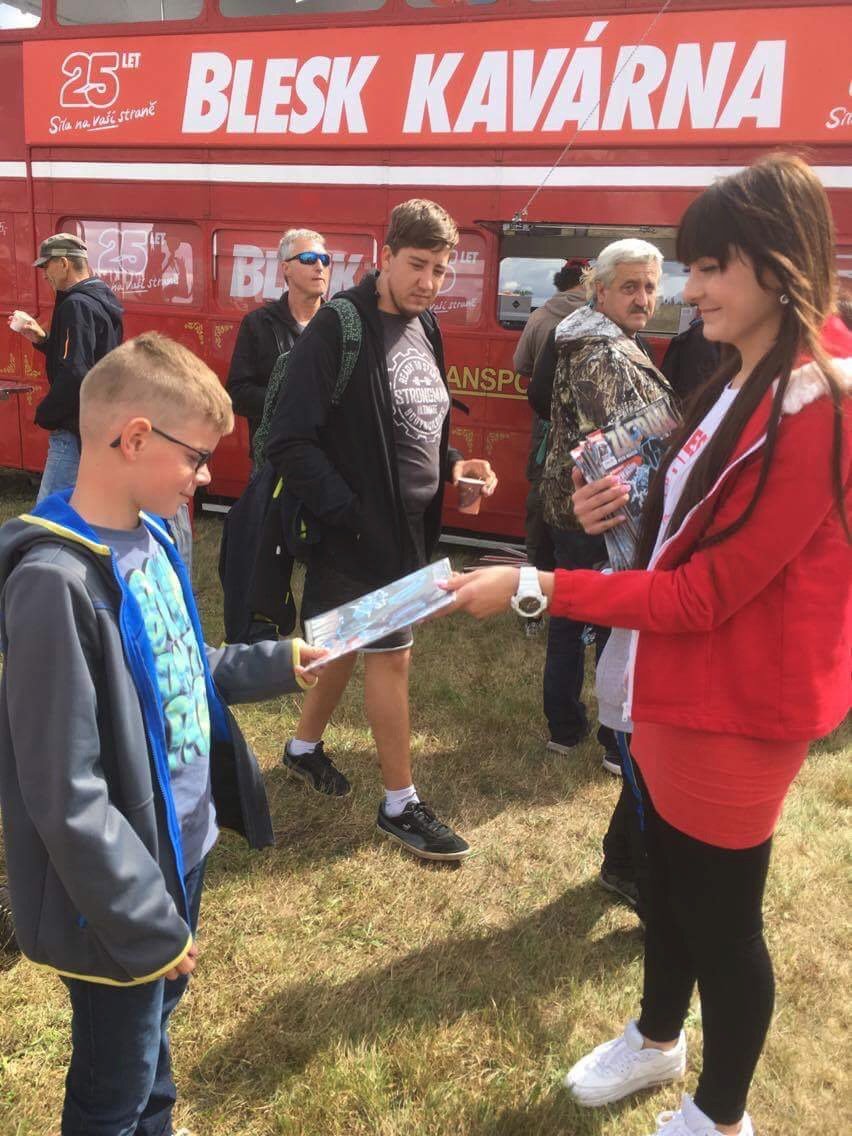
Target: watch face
(529, 605)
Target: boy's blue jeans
(119, 1081)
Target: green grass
(346, 989)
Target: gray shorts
(326, 587)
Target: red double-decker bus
(181, 137)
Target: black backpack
(351, 333)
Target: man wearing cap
(86, 324)
(568, 297)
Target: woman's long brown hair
(777, 214)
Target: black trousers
(704, 924)
(624, 841)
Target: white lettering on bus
(219, 92)
(255, 272)
(689, 84)
(650, 89)
(426, 93)
(838, 116)
(530, 94)
(690, 90)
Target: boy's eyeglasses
(202, 456)
(311, 258)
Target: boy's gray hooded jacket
(92, 840)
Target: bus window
(247, 271)
(530, 254)
(19, 14)
(460, 298)
(145, 262)
(294, 7)
(125, 11)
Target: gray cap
(60, 244)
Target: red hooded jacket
(752, 636)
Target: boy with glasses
(112, 801)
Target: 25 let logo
(93, 77)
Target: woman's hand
(597, 504)
(487, 591)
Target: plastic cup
(469, 494)
(19, 321)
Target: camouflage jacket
(601, 376)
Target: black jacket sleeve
(247, 377)
(73, 339)
(295, 434)
(540, 390)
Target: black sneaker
(621, 886)
(8, 942)
(318, 771)
(419, 831)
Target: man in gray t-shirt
(420, 404)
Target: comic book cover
(357, 624)
(631, 450)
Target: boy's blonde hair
(155, 376)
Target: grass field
(345, 989)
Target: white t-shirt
(611, 676)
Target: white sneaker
(689, 1120)
(612, 764)
(620, 1067)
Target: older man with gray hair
(593, 372)
(271, 330)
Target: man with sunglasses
(86, 324)
(271, 330)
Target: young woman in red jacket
(740, 618)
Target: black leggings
(704, 924)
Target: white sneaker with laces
(621, 1067)
(689, 1120)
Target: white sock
(397, 799)
(298, 748)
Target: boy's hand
(597, 503)
(309, 655)
(185, 966)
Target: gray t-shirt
(420, 405)
(180, 675)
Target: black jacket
(86, 324)
(690, 360)
(340, 461)
(264, 334)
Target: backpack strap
(351, 335)
(270, 402)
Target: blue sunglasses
(311, 258)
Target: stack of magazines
(630, 449)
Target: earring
(783, 298)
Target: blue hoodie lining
(65, 521)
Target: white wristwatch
(529, 601)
